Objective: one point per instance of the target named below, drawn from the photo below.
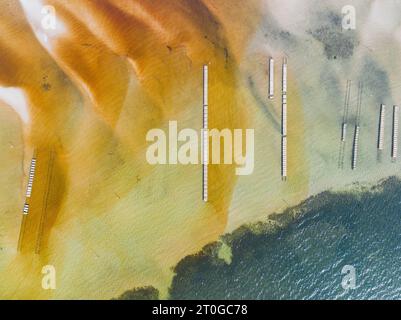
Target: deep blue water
(304, 259)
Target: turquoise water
(304, 259)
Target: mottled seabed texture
(304, 259)
(81, 98)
